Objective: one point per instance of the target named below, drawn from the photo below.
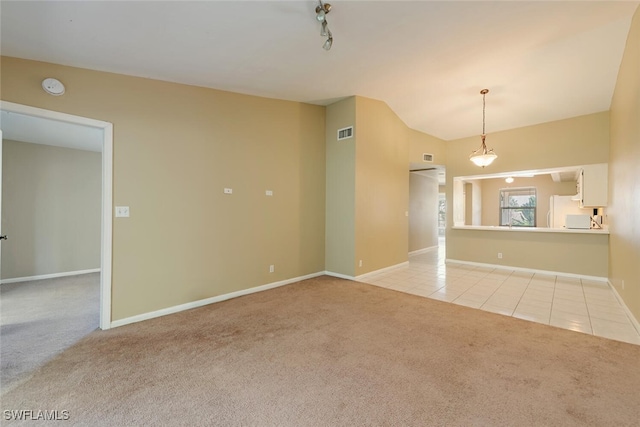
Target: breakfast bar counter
(584, 253)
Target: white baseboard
(527, 270)
(339, 276)
(382, 270)
(207, 301)
(421, 251)
(49, 276)
(633, 319)
(371, 273)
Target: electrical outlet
(228, 191)
(499, 255)
(122, 211)
(360, 263)
(272, 268)
(268, 192)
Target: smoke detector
(53, 87)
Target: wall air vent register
(345, 133)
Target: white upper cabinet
(592, 186)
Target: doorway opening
(105, 130)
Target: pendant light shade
(482, 156)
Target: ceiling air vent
(345, 133)
(426, 157)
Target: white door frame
(0, 198)
(107, 193)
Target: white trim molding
(339, 275)
(423, 250)
(630, 315)
(107, 193)
(371, 273)
(207, 301)
(382, 270)
(527, 270)
(49, 276)
(628, 312)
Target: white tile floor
(565, 302)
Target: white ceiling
(427, 60)
(38, 130)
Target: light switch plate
(269, 192)
(122, 211)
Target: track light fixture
(322, 10)
(324, 29)
(321, 15)
(327, 45)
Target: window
(518, 207)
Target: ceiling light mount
(322, 10)
(321, 15)
(483, 157)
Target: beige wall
(423, 211)
(420, 143)
(341, 189)
(473, 202)
(175, 148)
(545, 188)
(581, 140)
(571, 142)
(475, 210)
(583, 254)
(468, 203)
(382, 187)
(624, 175)
(51, 199)
(368, 186)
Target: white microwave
(582, 221)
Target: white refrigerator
(560, 207)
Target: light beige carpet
(327, 352)
(41, 318)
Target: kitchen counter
(531, 229)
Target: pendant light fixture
(483, 157)
(321, 15)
